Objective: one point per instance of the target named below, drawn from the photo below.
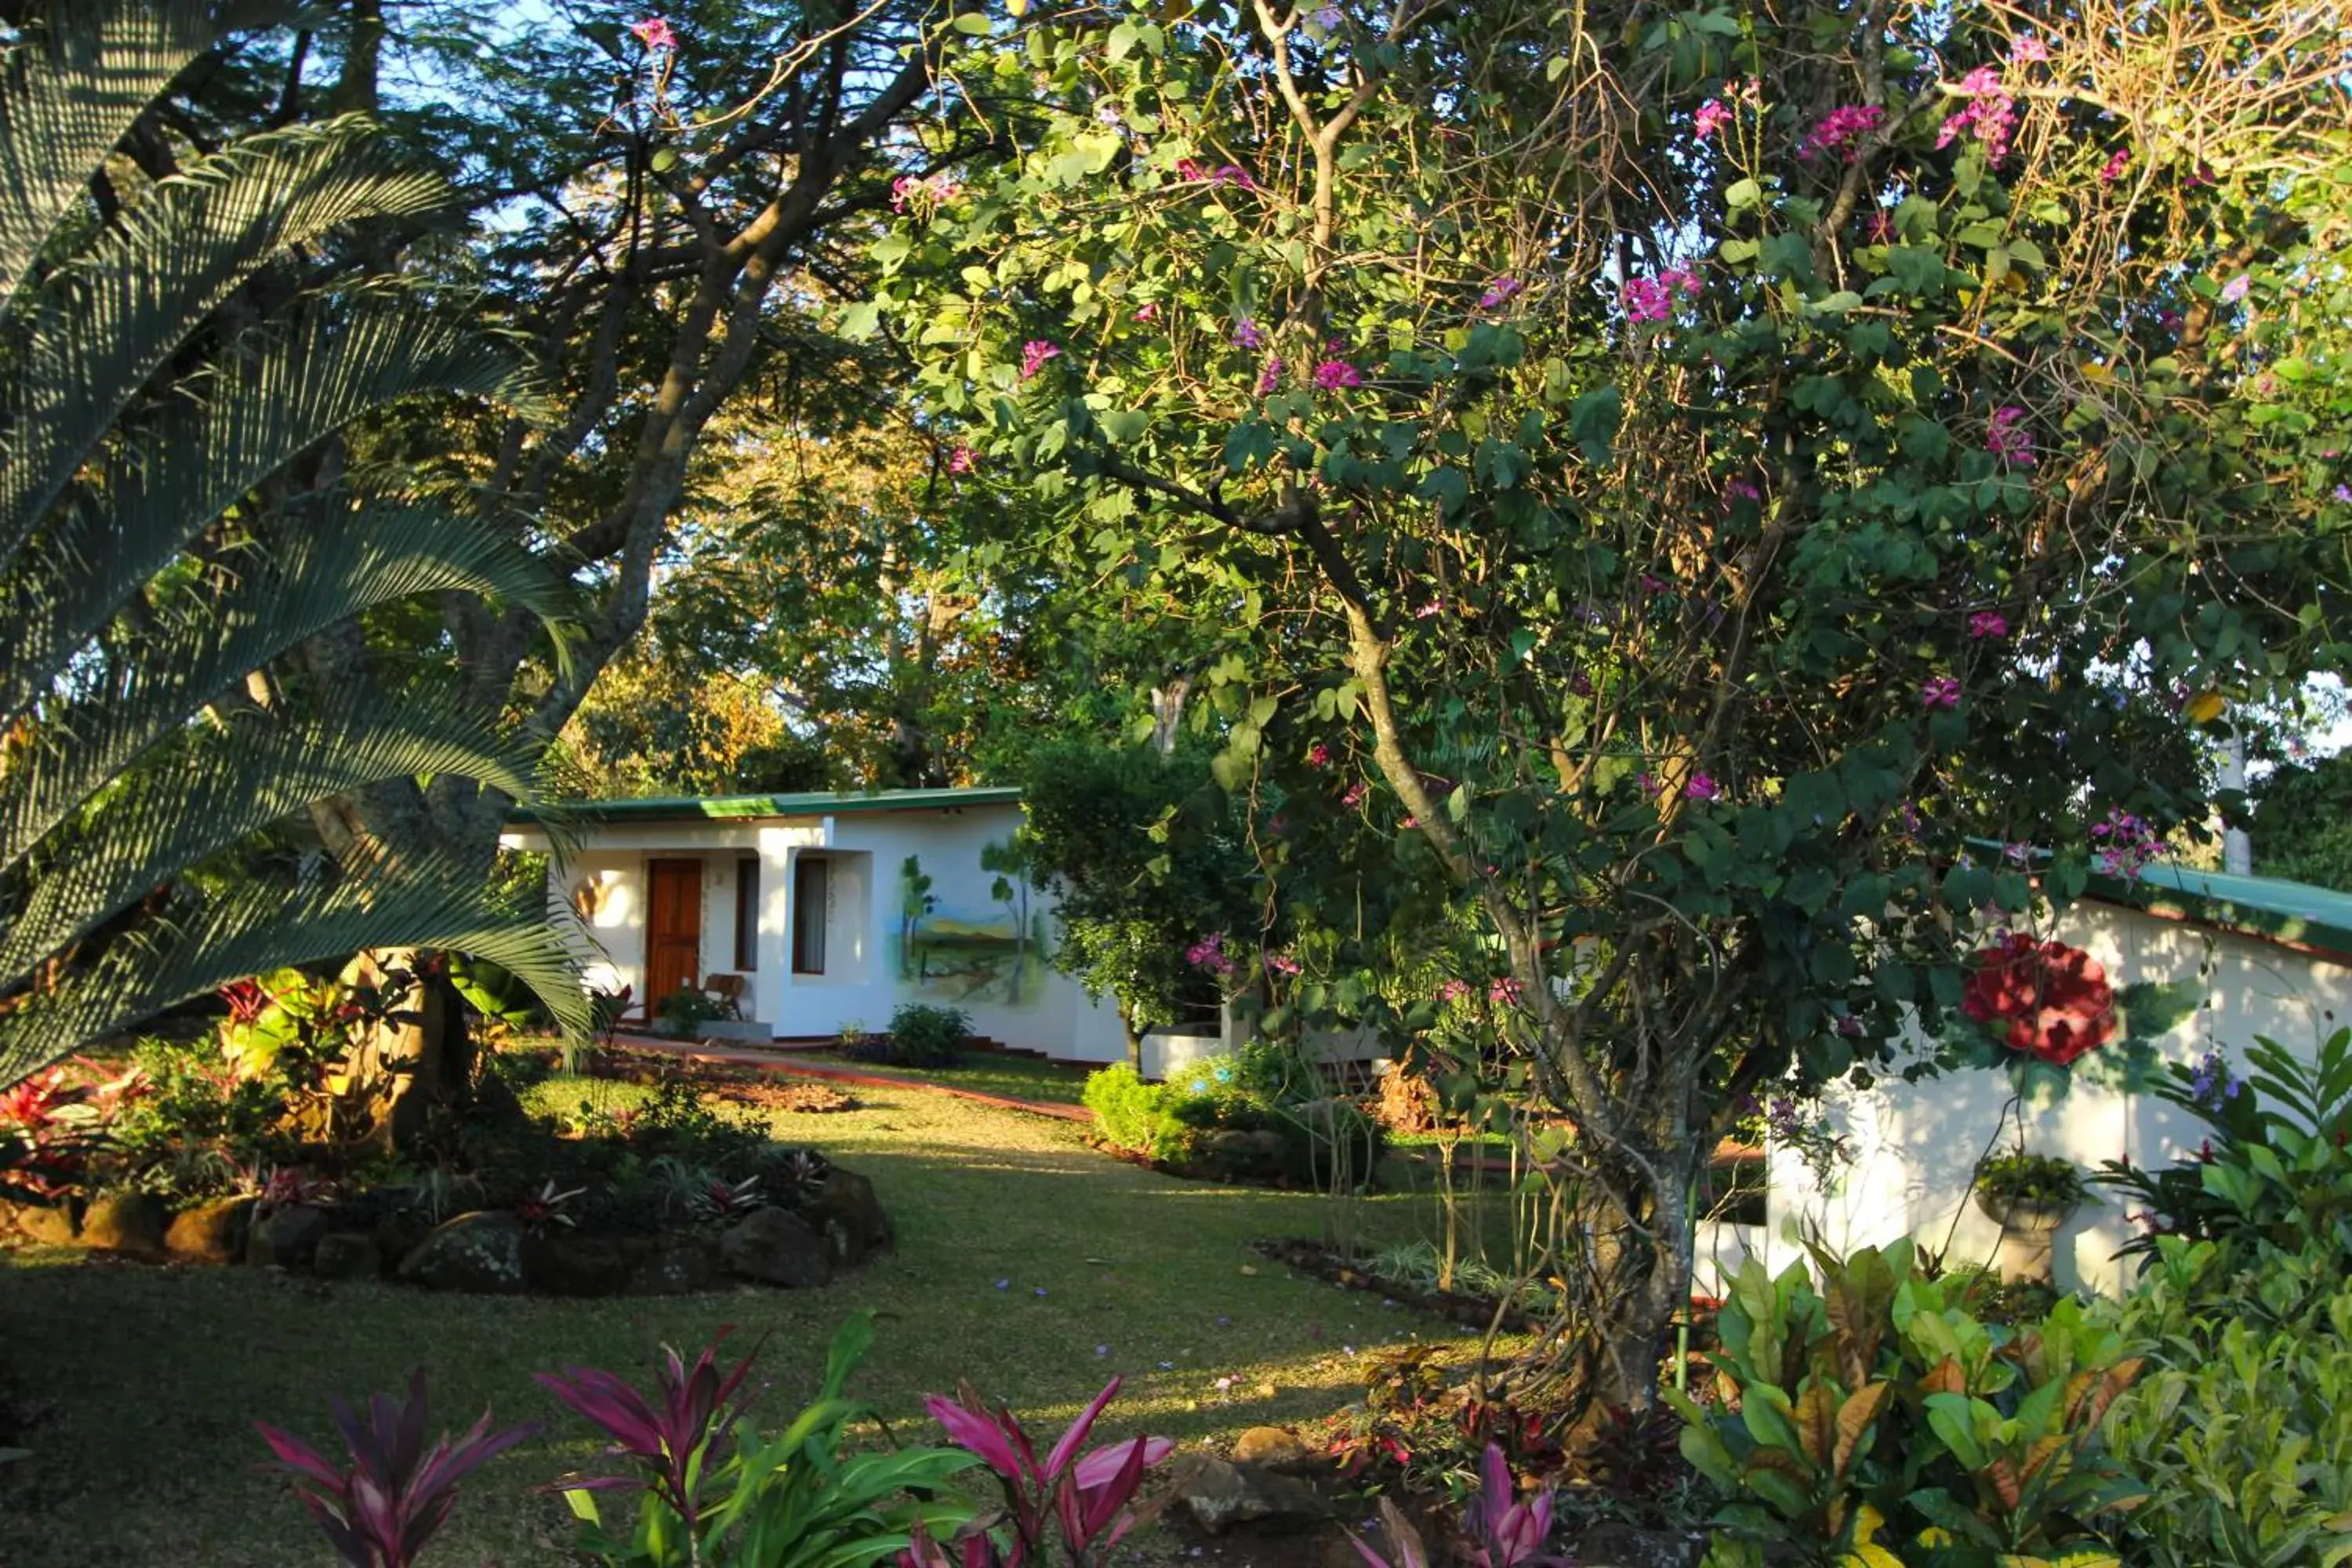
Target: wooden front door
(673, 927)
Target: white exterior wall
(865, 977)
(1916, 1145)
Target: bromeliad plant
(1880, 1422)
(380, 1510)
(795, 1501)
(1082, 1500)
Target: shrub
(2242, 1429)
(2038, 1179)
(1881, 1406)
(684, 1012)
(928, 1036)
(1136, 1116)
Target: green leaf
(1593, 420)
(1123, 426)
(1743, 194)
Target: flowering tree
(1684, 479)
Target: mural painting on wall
(961, 957)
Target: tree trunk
(419, 1059)
(1134, 1041)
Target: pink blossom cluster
(1454, 991)
(1702, 787)
(2112, 169)
(2125, 843)
(1653, 299)
(922, 195)
(961, 459)
(1990, 115)
(1319, 755)
(1270, 377)
(1987, 624)
(1505, 991)
(1842, 128)
(1740, 489)
(1281, 964)
(655, 32)
(2007, 438)
(1354, 796)
(2029, 49)
(1712, 116)
(1209, 954)
(1034, 356)
(1331, 375)
(1198, 173)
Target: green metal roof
(2286, 911)
(740, 807)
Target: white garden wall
(1916, 1145)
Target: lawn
(1014, 1078)
(1026, 1263)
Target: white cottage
(830, 909)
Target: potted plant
(2029, 1196)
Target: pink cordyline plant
(674, 1440)
(382, 1510)
(1082, 1498)
(1505, 1529)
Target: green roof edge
(2300, 913)
(741, 807)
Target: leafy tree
(2302, 823)
(1138, 851)
(1683, 478)
(172, 369)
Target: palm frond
(274, 397)
(147, 691)
(441, 905)
(103, 326)
(227, 784)
(67, 97)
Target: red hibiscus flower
(2048, 999)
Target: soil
(1325, 1263)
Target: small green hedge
(1169, 1122)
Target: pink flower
(2029, 50)
(1034, 356)
(1497, 292)
(1712, 117)
(1453, 990)
(1354, 797)
(655, 32)
(1319, 755)
(1653, 299)
(1741, 489)
(1270, 378)
(1190, 171)
(1435, 607)
(1281, 964)
(1233, 174)
(1148, 311)
(1246, 335)
(1941, 692)
(1209, 954)
(1841, 128)
(1505, 991)
(1701, 787)
(2114, 166)
(1332, 374)
(2235, 289)
(1987, 624)
(2007, 440)
(961, 460)
(1990, 115)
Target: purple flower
(1497, 292)
(1331, 375)
(1987, 624)
(1940, 691)
(1270, 378)
(2343, 494)
(2006, 439)
(1849, 1027)
(2235, 289)
(1740, 489)
(1712, 117)
(1246, 335)
(1653, 299)
(1209, 954)
(1841, 128)
(1328, 18)
(1034, 356)
(1701, 787)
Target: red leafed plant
(381, 1512)
(1086, 1496)
(2045, 998)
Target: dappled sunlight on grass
(156, 1374)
